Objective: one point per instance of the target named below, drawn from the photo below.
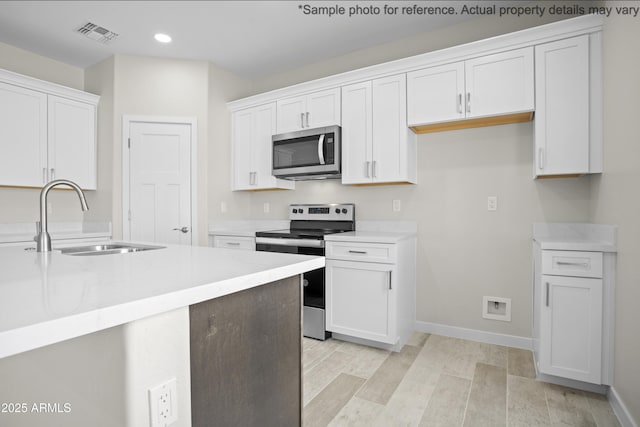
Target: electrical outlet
(396, 205)
(265, 207)
(223, 207)
(492, 203)
(163, 404)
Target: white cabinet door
(23, 136)
(394, 157)
(242, 137)
(562, 107)
(356, 133)
(323, 108)
(251, 149)
(500, 84)
(571, 328)
(309, 111)
(291, 114)
(361, 300)
(436, 94)
(72, 141)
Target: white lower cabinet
(573, 314)
(362, 300)
(246, 243)
(571, 328)
(370, 291)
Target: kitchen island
(88, 336)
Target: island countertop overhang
(49, 298)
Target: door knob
(183, 229)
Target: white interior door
(160, 182)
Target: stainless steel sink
(107, 249)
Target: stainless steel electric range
(305, 235)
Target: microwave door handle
(320, 149)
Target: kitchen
(457, 170)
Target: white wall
(616, 196)
(159, 87)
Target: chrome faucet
(43, 239)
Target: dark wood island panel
(246, 357)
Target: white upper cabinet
(568, 136)
(251, 149)
(377, 146)
(492, 85)
(309, 111)
(47, 132)
(71, 125)
(436, 94)
(23, 136)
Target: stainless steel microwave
(307, 154)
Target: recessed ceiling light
(162, 38)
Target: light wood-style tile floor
(437, 381)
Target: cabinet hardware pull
(301, 120)
(460, 103)
(307, 115)
(358, 252)
(540, 158)
(373, 169)
(468, 102)
(233, 243)
(579, 264)
(252, 178)
(367, 166)
(390, 287)
(53, 174)
(321, 149)
(44, 175)
(182, 229)
(547, 294)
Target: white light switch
(265, 207)
(396, 205)
(492, 203)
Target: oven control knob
(295, 211)
(337, 210)
(300, 210)
(344, 211)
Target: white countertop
(369, 236)
(576, 237)
(48, 298)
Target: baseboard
(475, 335)
(619, 408)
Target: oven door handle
(303, 243)
(321, 149)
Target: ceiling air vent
(97, 33)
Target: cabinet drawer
(572, 263)
(235, 242)
(367, 252)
